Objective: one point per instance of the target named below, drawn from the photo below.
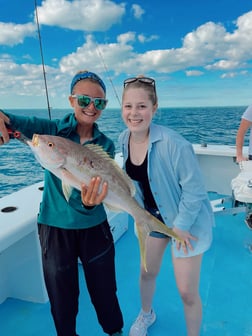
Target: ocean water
(212, 125)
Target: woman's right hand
(4, 135)
(94, 193)
(185, 242)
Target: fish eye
(50, 144)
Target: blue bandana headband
(85, 75)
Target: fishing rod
(42, 59)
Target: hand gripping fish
(75, 164)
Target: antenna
(42, 59)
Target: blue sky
(199, 51)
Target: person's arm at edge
(242, 130)
(4, 120)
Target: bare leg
(187, 273)
(155, 248)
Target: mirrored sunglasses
(85, 101)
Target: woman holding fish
(170, 186)
(68, 229)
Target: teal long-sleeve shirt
(54, 209)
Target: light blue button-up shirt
(177, 185)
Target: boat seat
(242, 188)
(242, 184)
(20, 254)
(241, 198)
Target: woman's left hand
(186, 237)
(90, 195)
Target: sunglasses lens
(130, 80)
(100, 103)
(84, 101)
(145, 80)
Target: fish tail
(145, 223)
(142, 235)
(151, 223)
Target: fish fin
(68, 178)
(142, 235)
(156, 225)
(69, 181)
(67, 190)
(105, 156)
(112, 208)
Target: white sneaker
(142, 323)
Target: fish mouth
(35, 140)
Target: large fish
(75, 164)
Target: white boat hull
(218, 166)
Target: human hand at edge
(90, 195)
(4, 135)
(240, 158)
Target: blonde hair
(149, 88)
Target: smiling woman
(69, 221)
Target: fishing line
(107, 72)
(42, 59)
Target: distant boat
(226, 271)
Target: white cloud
(223, 65)
(138, 11)
(126, 38)
(229, 75)
(234, 74)
(115, 56)
(24, 79)
(13, 34)
(85, 15)
(209, 46)
(143, 38)
(194, 73)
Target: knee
(189, 298)
(149, 274)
